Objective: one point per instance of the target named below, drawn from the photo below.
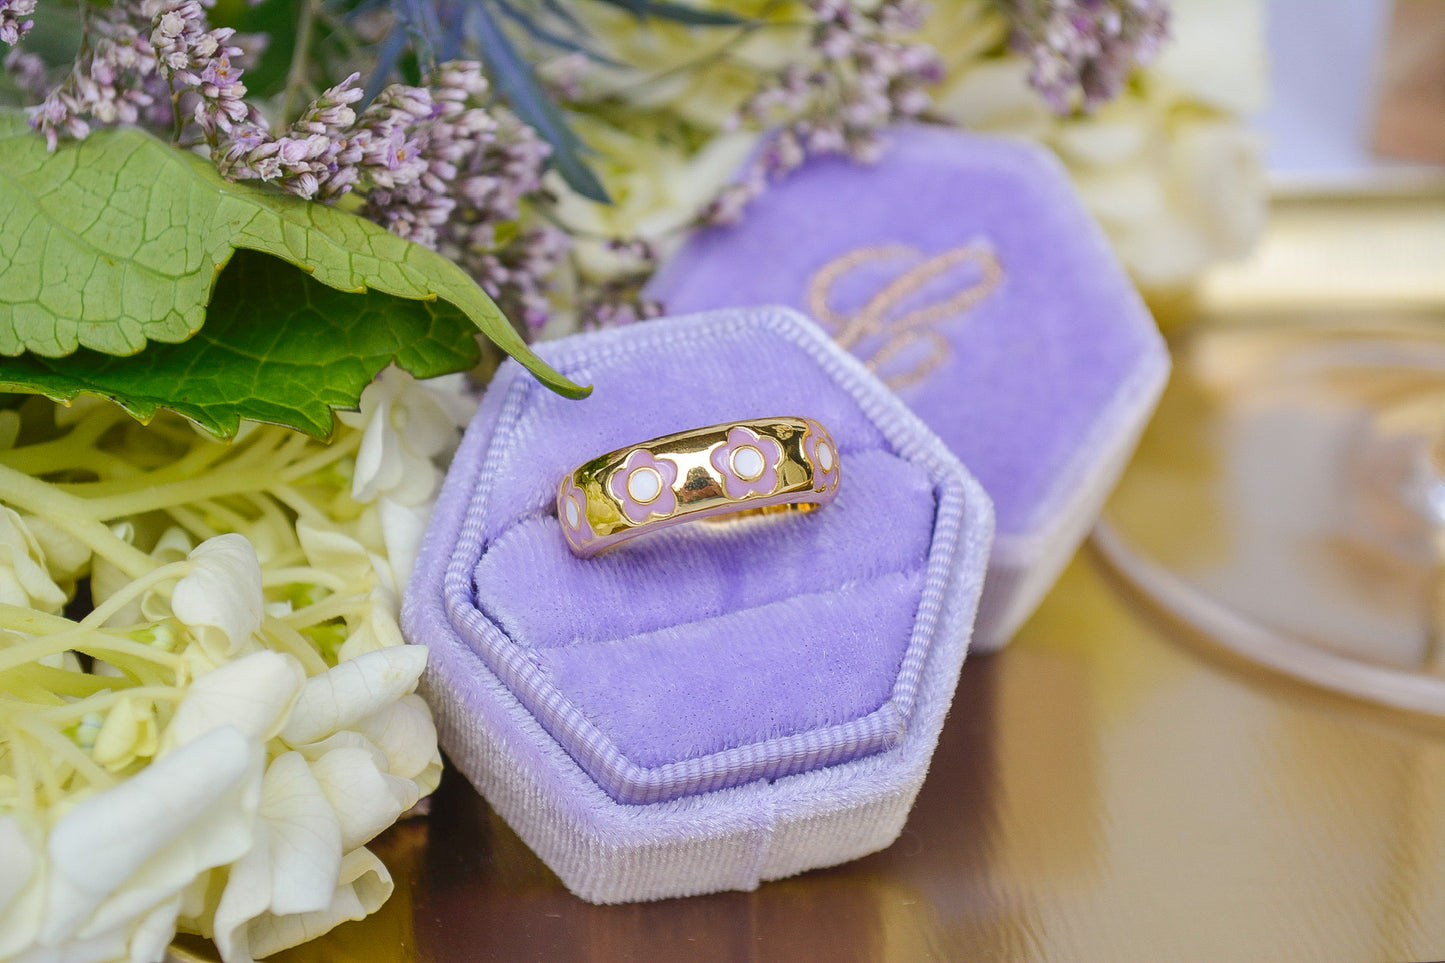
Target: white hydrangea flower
(405, 425)
(274, 728)
(221, 596)
(364, 751)
(116, 866)
(24, 578)
(1170, 167)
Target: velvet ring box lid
(717, 703)
(966, 272)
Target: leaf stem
(300, 54)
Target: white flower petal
(364, 885)
(407, 424)
(335, 551)
(121, 853)
(1217, 53)
(128, 733)
(379, 460)
(24, 579)
(223, 590)
(150, 937)
(248, 890)
(21, 888)
(996, 96)
(66, 556)
(353, 690)
(106, 579)
(346, 738)
(252, 695)
(1111, 137)
(366, 799)
(402, 528)
(305, 836)
(405, 733)
(377, 629)
(295, 865)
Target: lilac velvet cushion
(966, 272)
(711, 654)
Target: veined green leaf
(277, 347)
(117, 240)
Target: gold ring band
(732, 468)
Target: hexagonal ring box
(966, 272)
(718, 703)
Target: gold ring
(733, 468)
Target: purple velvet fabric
(965, 270)
(702, 656)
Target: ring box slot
(708, 660)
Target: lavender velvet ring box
(720, 703)
(965, 271)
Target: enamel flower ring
(736, 468)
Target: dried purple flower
(861, 77)
(141, 55)
(28, 72)
(13, 26)
(319, 155)
(1083, 50)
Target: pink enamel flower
(643, 486)
(748, 463)
(572, 513)
(821, 450)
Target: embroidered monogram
(901, 345)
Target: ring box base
(709, 706)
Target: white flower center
(644, 485)
(825, 456)
(748, 463)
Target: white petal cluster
(250, 721)
(1170, 167)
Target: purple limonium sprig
(201, 64)
(861, 75)
(1082, 51)
(13, 20)
(317, 156)
(115, 79)
(142, 58)
(478, 166)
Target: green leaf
(314, 351)
(116, 241)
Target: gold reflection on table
(1110, 787)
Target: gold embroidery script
(909, 339)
